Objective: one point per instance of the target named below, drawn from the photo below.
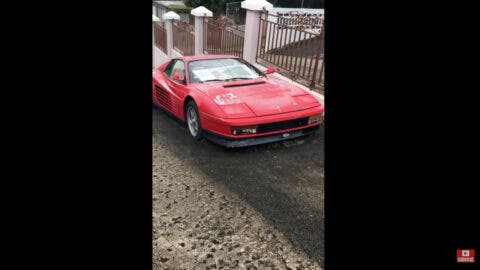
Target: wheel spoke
(192, 120)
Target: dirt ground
(254, 208)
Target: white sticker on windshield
(203, 74)
(224, 73)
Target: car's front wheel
(193, 120)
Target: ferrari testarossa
(230, 102)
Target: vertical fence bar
(276, 43)
(205, 35)
(270, 40)
(230, 43)
(260, 31)
(279, 47)
(304, 56)
(264, 38)
(301, 54)
(288, 47)
(320, 45)
(311, 58)
(260, 40)
(295, 50)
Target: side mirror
(177, 77)
(270, 70)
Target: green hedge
(178, 8)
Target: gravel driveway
(253, 208)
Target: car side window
(169, 68)
(178, 67)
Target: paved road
(254, 208)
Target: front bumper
(223, 126)
(234, 143)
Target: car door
(172, 93)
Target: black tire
(189, 109)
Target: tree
(218, 6)
(298, 3)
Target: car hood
(259, 97)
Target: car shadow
(282, 181)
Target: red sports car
(227, 100)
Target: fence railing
(298, 19)
(294, 44)
(160, 36)
(183, 38)
(222, 37)
(294, 47)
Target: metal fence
(160, 36)
(293, 19)
(222, 37)
(295, 46)
(183, 38)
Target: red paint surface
(223, 105)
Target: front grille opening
(271, 127)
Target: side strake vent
(163, 97)
(242, 84)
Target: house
(178, 6)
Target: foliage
(178, 8)
(218, 6)
(298, 3)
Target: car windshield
(221, 70)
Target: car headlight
(244, 130)
(315, 119)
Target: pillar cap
(155, 18)
(171, 16)
(256, 5)
(201, 11)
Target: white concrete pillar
(252, 25)
(154, 20)
(169, 30)
(200, 13)
(168, 18)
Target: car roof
(206, 57)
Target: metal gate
(160, 36)
(222, 37)
(295, 45)
(183, 38)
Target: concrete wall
(159, 57)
